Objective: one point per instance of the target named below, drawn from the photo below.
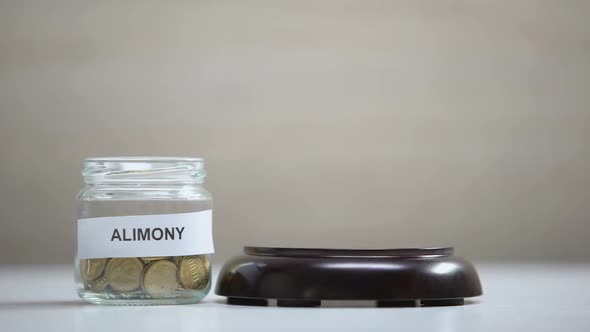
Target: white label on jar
(177, 234)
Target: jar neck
(158, 191)
(141, 186)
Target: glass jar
(144, 231)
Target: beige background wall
(324, 123)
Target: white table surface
(518, 297)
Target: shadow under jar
(144, 231)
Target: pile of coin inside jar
(157, 277)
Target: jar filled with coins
(144, 231)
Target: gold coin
(192, 272)
(207, 264)
(177, 260)
(91, 269)
(123, 274)
(151, 259)
(159, 278)
(97, 285)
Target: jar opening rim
(144, 159)
(143, 170)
